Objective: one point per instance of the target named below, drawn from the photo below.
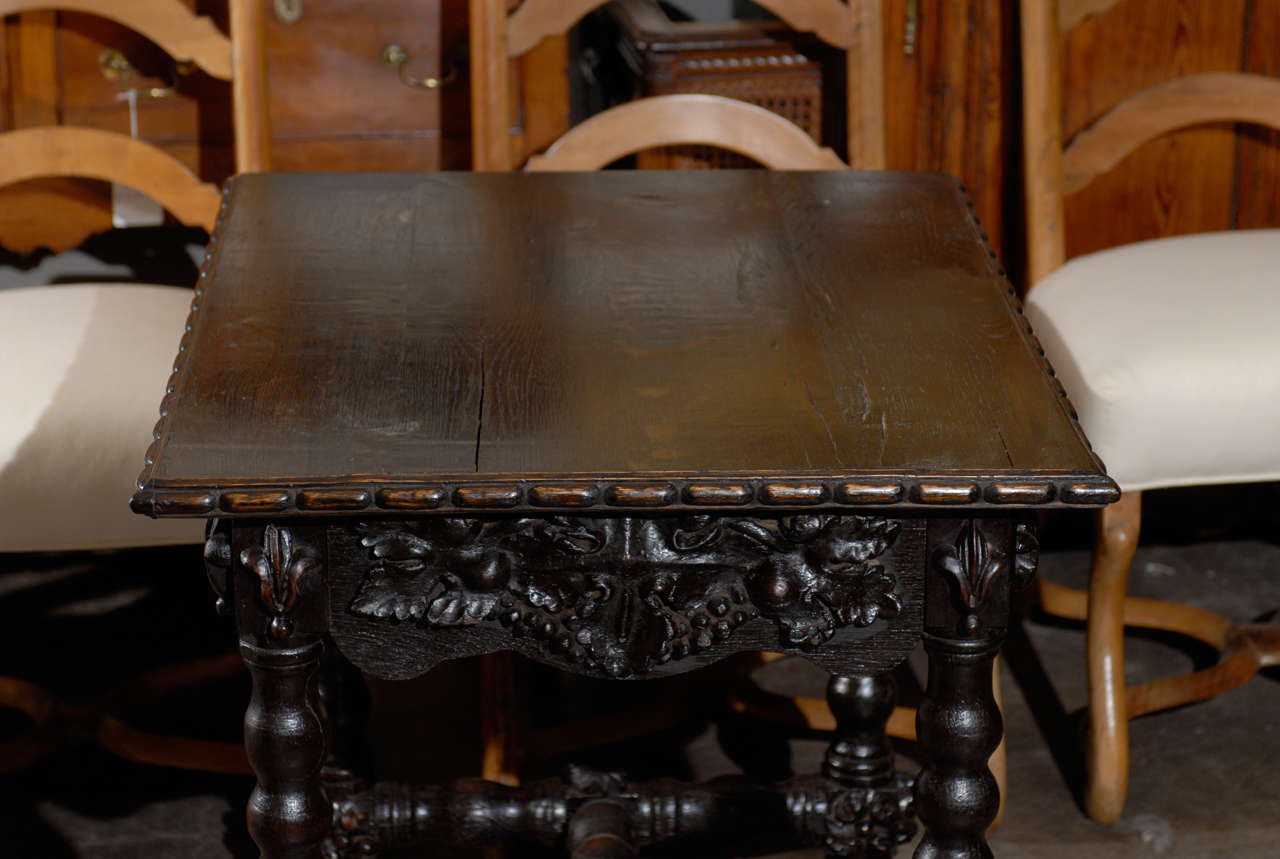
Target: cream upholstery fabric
(82, 371)
(1170, 351)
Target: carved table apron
(625, 424)
(630, 597)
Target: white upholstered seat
(1170, 351)
(82, 371)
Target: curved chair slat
(672, 120)
(88, 153)
(535, 20)
(183, 34)
(1072, 12)
(829, 20)
(1181, 102)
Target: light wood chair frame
(497, 38)
(87, 153)
(240, 58)
(771, 140)
(1054, 170)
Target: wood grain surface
(626, 339)
(1179, 183)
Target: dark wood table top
(616, 340)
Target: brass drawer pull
(397, 57)
(288, 11)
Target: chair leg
(999, 763)
(499, 721)
(1107, 753)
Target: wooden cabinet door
(949, 100)
(1209, 177)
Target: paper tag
(130, 207)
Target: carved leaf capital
(283, 566)
(973, 564)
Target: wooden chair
(1168, 349)
(498, 37)
(82, 364)
(671, 120)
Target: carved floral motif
(621, 595)
(870, 822)
(282, 565)
(974, 563)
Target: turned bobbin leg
(288, 813)
(958, 724)
(874, 814)
(282, 617)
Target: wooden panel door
(1211, 177)
(949, 96)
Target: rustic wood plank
(820, 338)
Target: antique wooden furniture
(688, 414)
(667, 120)
(497, 37)
(1168, 348)
(642, 49)
(334, 104)
(79, 363)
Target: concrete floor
(1203, 782)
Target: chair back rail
(1181, 102)
(829, 20)
(183, 34)
(855, 26)
(668, 120)
(1072, 12)
(1054, 170)
(90, 153)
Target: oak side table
(626, 424)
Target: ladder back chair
(1168, 350)
(499, 36)
(81, 364)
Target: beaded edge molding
(481, 493)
